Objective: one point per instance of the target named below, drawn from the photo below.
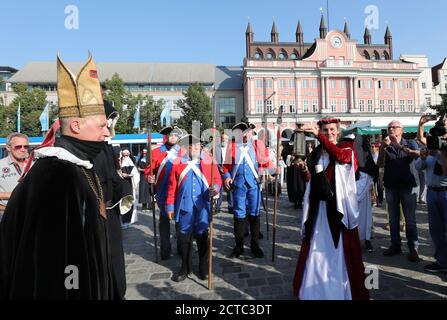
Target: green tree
(126, 104)
(441, 108)
(196, 106)
(32, 103)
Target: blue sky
(205, 31)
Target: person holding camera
(431, 160)
(395, 156)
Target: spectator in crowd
(221, 153)
(378, 181)
(143, 191)
(132, 177)
(396, 155)
(12, 165)
(431, 162)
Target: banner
(44, 118)
(136, 123)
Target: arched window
(282, 55)
(376, 55)
(366, 55)
(386, 55)
(270, 54)
(294, 55)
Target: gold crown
(79, 96)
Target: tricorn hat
(79, 96)
(172, 129)
(241, 126)
(188, 140)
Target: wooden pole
(210, 260)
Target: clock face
(336, 42)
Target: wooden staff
(210, 260)
(275, 203)
(151, 185)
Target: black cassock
(143, 187)
(106, 165)
(296, 186)
(52, 227)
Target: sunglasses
(394, 127)
(25, 146)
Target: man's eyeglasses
(394, 127)
(19, 147)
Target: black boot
(203, 249)
(255, 225)
(239, 230)
(186, 245)
(179, 245)
(246, 227)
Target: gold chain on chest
(97, 191)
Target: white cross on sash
(170, 155)
(192, 165)
(244, 155)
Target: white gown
(325, 276)
(365, 209)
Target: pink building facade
(334, 76)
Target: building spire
(323, 29)
(299, 33)
(249, 29)
(367, 36)
(388, 34)
(389, 41)
(274, 33)
(346, 30)
(248, 39)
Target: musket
(151, 185)
(210, 260)
(275, 203)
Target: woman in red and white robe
(330, 265)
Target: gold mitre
(79, 96)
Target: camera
(435, 140)
(436, 143)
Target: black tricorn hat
(167, 130)
(249, 124)
(188, 140)
(241, 126)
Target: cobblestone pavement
(250, 278)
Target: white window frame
(291, 83)
(344, 105)
(259, 106)
(370, 106)
(334, 105)
(382, 105)
(306, 106)
(389, 84)
(402, 105)
(410, 105)
(315, 106)
(362, 105)
(305, 83)
(390, 105)
(292, 107)
(282, 83)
